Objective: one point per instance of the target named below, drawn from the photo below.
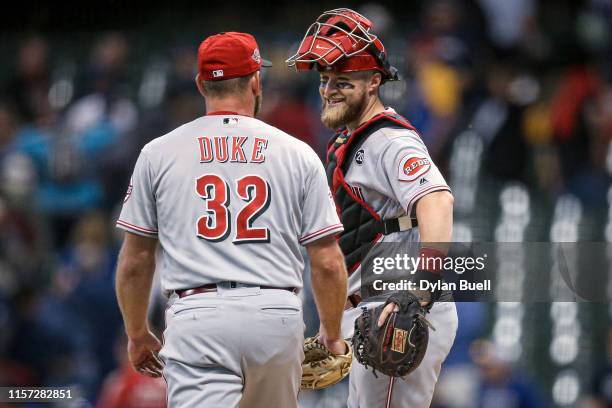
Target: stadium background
(512, 98)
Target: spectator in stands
(65, 166)
(28, 89)
(87, 275)
(105, 106)
(125, 388)
(8, 128)
(285, 108)
(439, 70)
(498, 121)
(502, 386)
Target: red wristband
(432, 260)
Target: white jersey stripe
(424, 193)
(131, 227)
(321, 233)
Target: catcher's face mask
(340, 40)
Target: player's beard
(258, 100)
(348, 112)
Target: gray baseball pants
(416, 389)
(240, 347)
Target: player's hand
(391, 308)
(336, 346)
(142, 352)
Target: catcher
(387, 190)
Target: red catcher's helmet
(341, 38)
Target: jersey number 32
(216, 225)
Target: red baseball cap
(229, 55)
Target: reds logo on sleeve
(412, 166)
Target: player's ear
(375, 82)
(256, 83)
(200, 85)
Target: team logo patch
(398, 343)
(217, 73)
(412, 167)
(128, 193)
(359, 157)
(256, 57)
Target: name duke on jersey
(232, 149)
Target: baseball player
(230, 200)
(387, 189)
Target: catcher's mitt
(398, 346)
(322, 368)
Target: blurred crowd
(532, 79)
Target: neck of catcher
(374, 107)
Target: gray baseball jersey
(230, 199)
(391, 171)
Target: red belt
(212, 287)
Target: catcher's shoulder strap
(362, 225)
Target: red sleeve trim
(136, 228)
(320, 233)
(419, 195)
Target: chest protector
(362, 225)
